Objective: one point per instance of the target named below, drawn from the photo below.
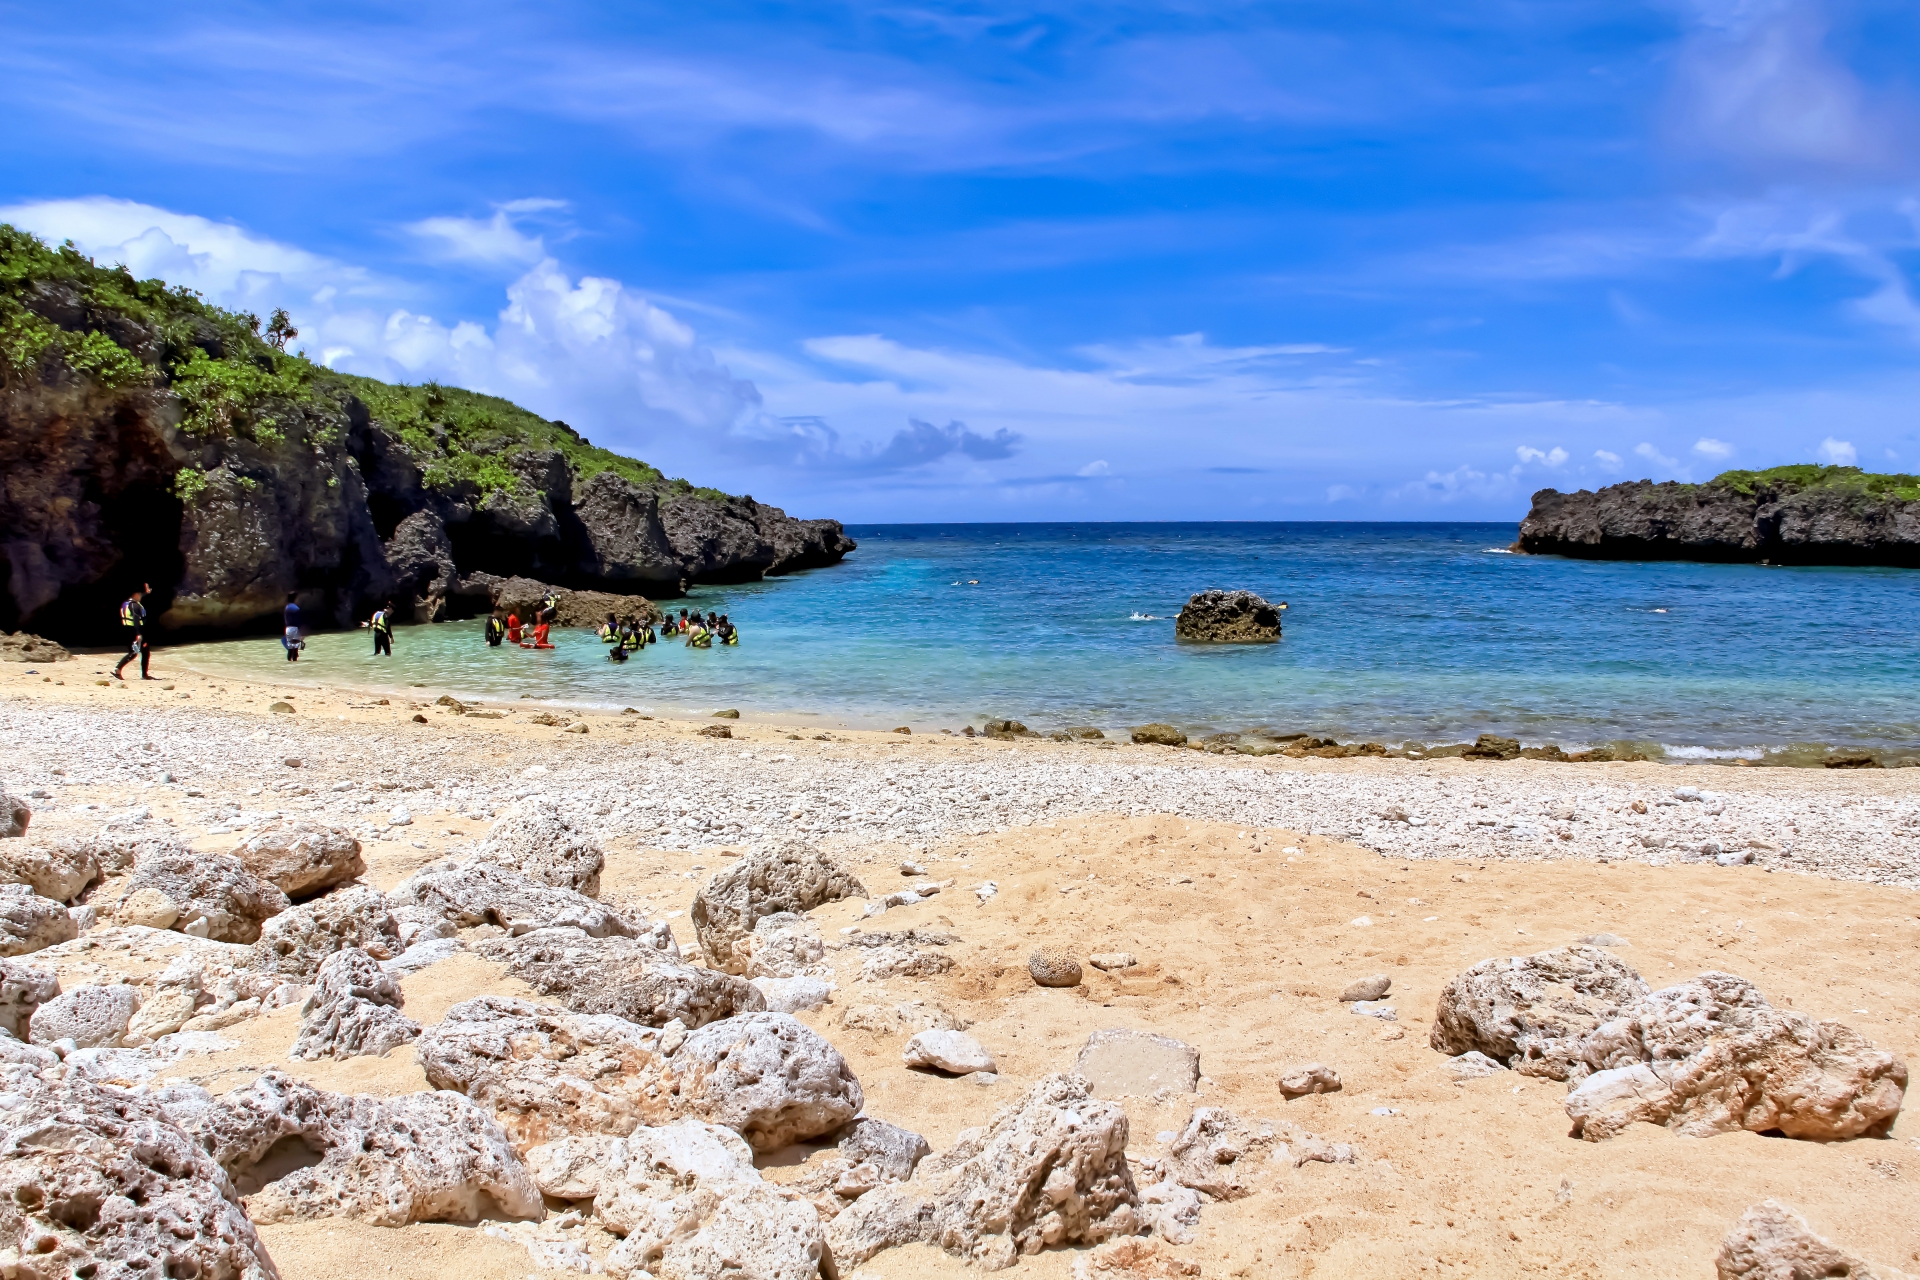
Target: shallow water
(1394, 632)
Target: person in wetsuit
(133, 630)
(726, 631)
(496, 629)
(382, 627)
(290, 638)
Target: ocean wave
(1143, 617)
(1712, 753)
(1496, 551)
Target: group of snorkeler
(624, 636)
(505, 624)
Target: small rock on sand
(1367, 988)
(1053, 967)
(1108, 961)
(1309, 1077)
(954, 1052)
(1119, 1061)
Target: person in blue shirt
(291, 640)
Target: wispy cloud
(488, 241)
(1708, 447)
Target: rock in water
(211, 888)
(104, 1183)
(60, 871)
(296, 942)
(91, 1017)
(532, 838)
(354, 1011)
(1773, 1242)
(1158, 735)
(789, 875)
(625, 977)
(14, 814)
(302, 856)
(1117, 1062)
(1712, 1056)
(29, 922)
(23, 988)
(421, 1157)
(482, 893)
(1228, 617)
(1534, 1012)
(1049, 1169)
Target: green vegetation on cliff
(63, 317)
(1803, 477)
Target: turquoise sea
(1395, 633)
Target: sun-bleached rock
(786, 945)
(1533, 1013)
(1308, 1078)
(622, 976)
(120, 844)
(354, 1011)
(15, 815)
(687, 1203)
(23, 988)
(1712, 1056)
(29, 922)
(766, 1076)
(302, 856)
(1213, 1153)
(794, 995)
(1371, 988)
(954, 1052)
(147, 909)
(419, 1157)
(297, 941)
(545, 1071)
(91, 1017)
(533, 838)
(1049, 1169)
(481, 893)
(215, 895)
(58, 869)
(1053, 967)
(98, 1181)
(177, 994)
(1118, 1061)
(1773, 1242)
(882, 963)
(786, 876)
(901, 1019)
(421, 924)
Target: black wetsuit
(133, 627)
(382, 633)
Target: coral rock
(354, 1011)
(23, 988)
(91, 1017)
(296, 942)
(1054, 967)
(60, 871)
(481, 893)
(1772, 1242)
(1534, 1013)
(531, 837)
(789, 876)
(29, 922)
(303, 857)
(211, 888)
(626, 977)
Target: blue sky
(897, 262)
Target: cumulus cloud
(1549, 458)
(1838, 453)
(1708, 447)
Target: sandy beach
(1250, 891)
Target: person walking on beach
(382, 627)
(290, 638)
(133, 629)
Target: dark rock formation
(1789, 515)
(1228, 617)
(148, 437)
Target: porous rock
(1108, 961)
(147, 909)
(1211, 1154)
(954, 1052)
(297, 941)
(176, 997)
(1773, 1242)
(1158, 735)
(1712, 1056)
(1117, 1061)
(626, 977)
(1533, 1013)
(1049, 1169)
(354, 1011)
(92, 1017)
(896, 1019)
(786, 945)
(789, 875)
(302, 856)
(794, 995)
(1054, 967)
(882, 963)
(420, 1157)
(533, 838)
(1228, 617)
(482, 893)
(23, 988)
(211, 888)
(60, 870)
(15, 816)
(29, 922)
(1367, 988)
(1309, 1078)
(103, 1183)
(766, 1076)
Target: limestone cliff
(1786, 515)
(146, 436)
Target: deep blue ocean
(1394, 633)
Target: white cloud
(494, 240)
(1096, 468)
(1838, 453)
(1653, 455)
(1609, 461)
(1550, 458)
(1708, 447)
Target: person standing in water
(290, 638)
(133, 630)
(496, 629)
(382, 627)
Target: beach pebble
(1309, 1077)
(954, 1052)
(281, 708)
(400, 817)
(1111, 960)
(1367, 988)
(1376, 1009)
(1054, 967)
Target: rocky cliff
(1787, 515)
(146, 436)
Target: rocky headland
(1786, 515)
(148, 436)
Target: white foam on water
(1712, 753)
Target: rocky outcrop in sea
(1788, 515)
